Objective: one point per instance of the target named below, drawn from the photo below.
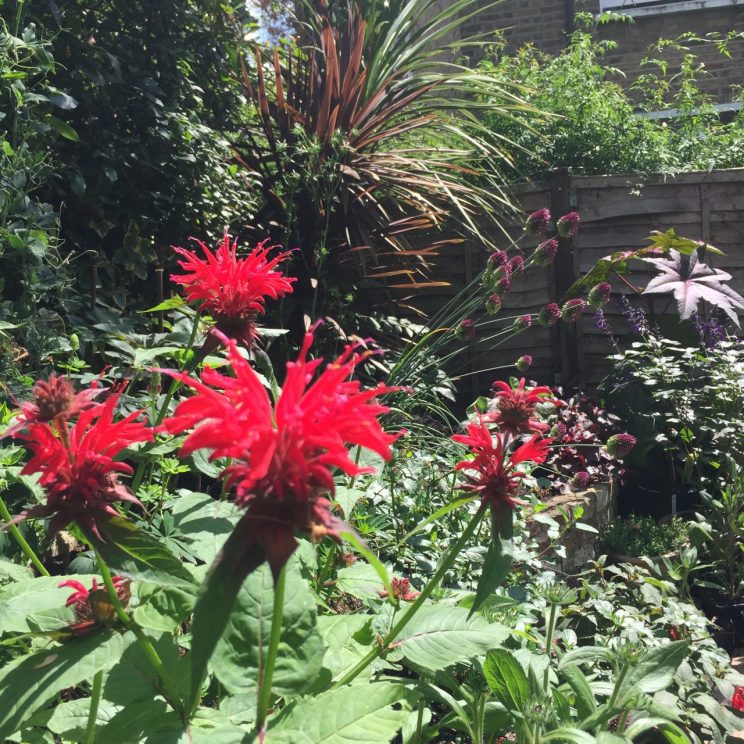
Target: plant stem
(618, 684)
(28, 551)
(445, 566)
(95, 699)
(419, 723)
(548, 644)
(170, 689)
(277, 615)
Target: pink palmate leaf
(690, 281)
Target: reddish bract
(233, 290)
(93, 606)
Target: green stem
(170, 689)
(419, 722)
(548, 644)
(277, 615)
(618, 685)
(28, 551)
(95, 699)
(428, 589)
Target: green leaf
(162, 608)
(14, 571)
(238, 558)
(347, 638)
(37, 604)
(236, 661)
(360, 580)
(670, 731)
(495, 568)
(654, 671)
(133, 552)
(362, 714)
(562, 735)
(590, 654)
(346, 499)
(439, 636)
(204, 522)
(145, 357)
(172, 303)
(584, 700)
(373, 560)
(28, 682)
(605, 737)
(506, 679)
(63, 128)
(70, 719)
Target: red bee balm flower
(513, 408)
(283, 457)
(53, 398)
(93, 606)
(77, 466)
(737, 700)
(233, 290)
(494, 475)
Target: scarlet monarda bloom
(77, 466)
(52, 399)
(737, 700)
(284, 456)
(493, 473)
(513, 409)
(233, 290)
(93, 606)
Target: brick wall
(546, 22)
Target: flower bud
(545, 252)
(599, 294)
(549, 315)
(466, 330)
(493, 304)
(538, 221)
(523, 363)
(573, 310)
(620, 445)
(580, 481)
(568, 224)
(522, 322)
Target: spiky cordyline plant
(367, 142)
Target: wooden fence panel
(617, 213)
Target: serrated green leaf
(237, 658)
(439, 636)
(362, 714)
(133, 552)
(506, 679)
(28, 682)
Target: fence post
(564, 337)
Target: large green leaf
(506, 679)
(161, 607)
(70, 718)
(133, 552)
(348, 638)
(654, 671)
(36, 604)
(362, 714)
(440, 635)
(28, 682)
(237, 657)
(204, 522)
(239, 557)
